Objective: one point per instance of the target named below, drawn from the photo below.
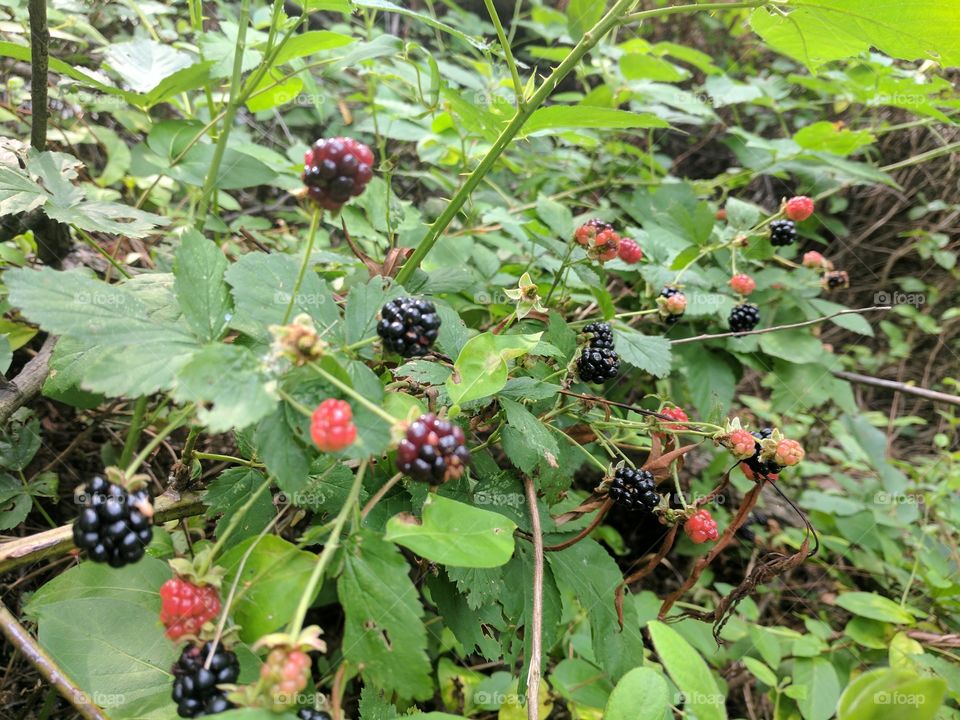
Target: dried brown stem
(536, 640)
(586, 531)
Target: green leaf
(272, 580)
(15, 502)
(526, 440)
(481, 367)
(202, 294)
(363, 304)
(828, 137)
(143, 63)
(311, 42)
(274, 89)
(282, 452)
(19, 440)
(875, 607)
(690, 672)
(453, 533)
(710, 378)
(384, 634)
(819, 31)
(583, 15)
(640, 66)
(556, 215)
(641, 694)
(237, 169)
(797, 346)
(229, 492)
(650, 353)
(387, 6)
(547, 120)
(823, 688)
(853, 322)
(18, 193)
(760, 671)
(885, 693)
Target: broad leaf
(650, 353)
(202, 294)
(875, 607)
(641, 694)
(555, 118)
(690, 672)
(144, 63)
(481, 368)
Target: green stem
(304, 264)
(227, 458)
(362, 343)
(508, 53)
(133, 432)
(347, 390)
(175, 421)
(560, 272)
(296, 624)
(290, 400)
(94, 245)
(673, 9)
(523, 113)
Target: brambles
(331, 426)
(197, 675)
(783, 232)
(598, 361)
(672, 304)
(599, 238)
(433, 450)
(336, 169)
(742, 284)
(701, 527)
(185, 607)
(744, 318)
(630, 251)
(114, 526)
(285, 673)
(798, 208)
(634, 489)
(408, 326)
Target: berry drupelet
(195, 688)
(701, 527)
(634, 489)
(408, 326)
(433, 450)
(630, 251)
(335, 170)
(744, 318)
(783, 232)
(115, 525)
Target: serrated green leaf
(650, 353)
(526, 440)
(202, 294)
(144, 63)
(548, 120)
(229, 492)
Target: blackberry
(433, 450)
(783, 232)
(762, 468)
(114, 526)
(634, 489)
(601, 335)
(336, 169)
(744, 317)
(673, 304)
(195, 688)
(836, 279)
(311, 714)
(408, 326)
(598, 364)
(587, 233)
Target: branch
(58, 541)
(27, 384)
(934, 395)
(48, 669)
(607, 504)
(698, 338)
(536, 649)
(39, 62)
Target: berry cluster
(701, 527)
(285, 673)
(336, 169)
(599, 238)
(433, 450)
(783, 232)
(630, 251)
(331, 425)
(114, 526)
(408, 326)
(196, 688)
(186, 607)
(598, 361)
(634, 489)
(744, 317)
(672, 303)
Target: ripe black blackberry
(195, 688)
(601, 335)
(336, 169)
(433, 450)
(783, 232)
(762, 468)
(598, 364)
(311, 714)
(744, 317)
(114, 526)
(634, 489)
(408, 326)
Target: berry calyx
(433, 450)
(195, 682)
(285, 673)
(798, 208)
(331, 425)
(115, 526)
(783, 232)
(599, 238)
(788, 453)
(634, 489)
(408, 326)
(336, 169)
(815, 261)
(741, 443)
(744, 318)
(701, 527)
(675, 413)
(743, 284)
(630, 251)
(672, 303)
(186, 607)
(836, 279)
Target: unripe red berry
(721, 214)
(798, 208)
(741, 443)
(286, 672)
(814, 260)
(743, 284)
(185, 607)
(630, 251)
(789, 452)
(701, 527)
(675, 413)
(332, 427)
